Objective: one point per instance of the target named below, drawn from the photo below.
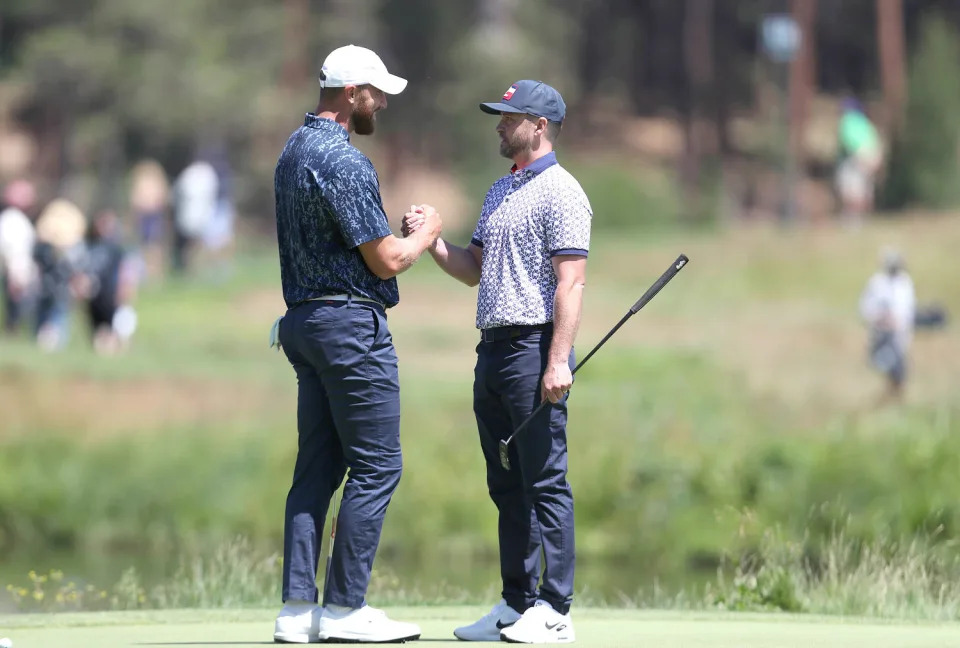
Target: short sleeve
(354, 198)
(489, 206)
(568, 224)
(479, 232)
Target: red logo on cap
(509, 92)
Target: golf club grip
(658, 285)
(647, 296)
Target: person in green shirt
(861, 157)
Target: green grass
(740, 393)
(595, 628)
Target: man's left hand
(412, 220)
(557, 380)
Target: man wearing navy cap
(528, 254)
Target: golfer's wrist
(555, 361)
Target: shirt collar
(324, 124)
(539, 165)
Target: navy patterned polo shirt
(328, 203)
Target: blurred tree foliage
(108, 82)
(925, 164)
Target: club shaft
(658, 285)
(333, 536)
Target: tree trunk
(698, 62)
(803, 81)
(890, 42)
(296, 23)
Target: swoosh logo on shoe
(501, 625)
(558, 626)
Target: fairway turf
(595, 629)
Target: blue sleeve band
(569, 251)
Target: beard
(364, 120)
(511, 146)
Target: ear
(542, 123)
(352, 93)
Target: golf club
(333, 536)
(674, 268)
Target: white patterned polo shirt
(528, 217)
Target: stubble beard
(511, 147)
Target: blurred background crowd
(54, 256)
(721, 94)
(693, 111)
(805, 153)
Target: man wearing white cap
(338, 267)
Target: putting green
(595, 629)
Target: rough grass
(742, 389)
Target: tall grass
(742, 387)
(916, 579)
(909, 579)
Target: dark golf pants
(534, 499)
(348, 416)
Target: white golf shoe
(540, 624)
(364, 625)
(298, 623)
(489, 626)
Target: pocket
(526, 342)
(365, 328)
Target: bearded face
(516, 135)
(364, 116)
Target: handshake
(423, 216)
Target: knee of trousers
(381, 478)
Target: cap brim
(497, 108)
(390, 83)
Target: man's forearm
(457, 262)
(410, 249)
(388, 256)
(567, 304)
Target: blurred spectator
(113, 277)
(17, 269)
(195, 202)
(887, 305)
(149, 200)
(218, 234)
(60, 257)
(861, 157)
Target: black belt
(500, 333)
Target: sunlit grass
(742, 387)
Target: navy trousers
(534, 499)
(348, 417)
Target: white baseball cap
(352, 65)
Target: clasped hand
(416, 217)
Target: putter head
(504, 455)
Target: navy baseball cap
(532, 98)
